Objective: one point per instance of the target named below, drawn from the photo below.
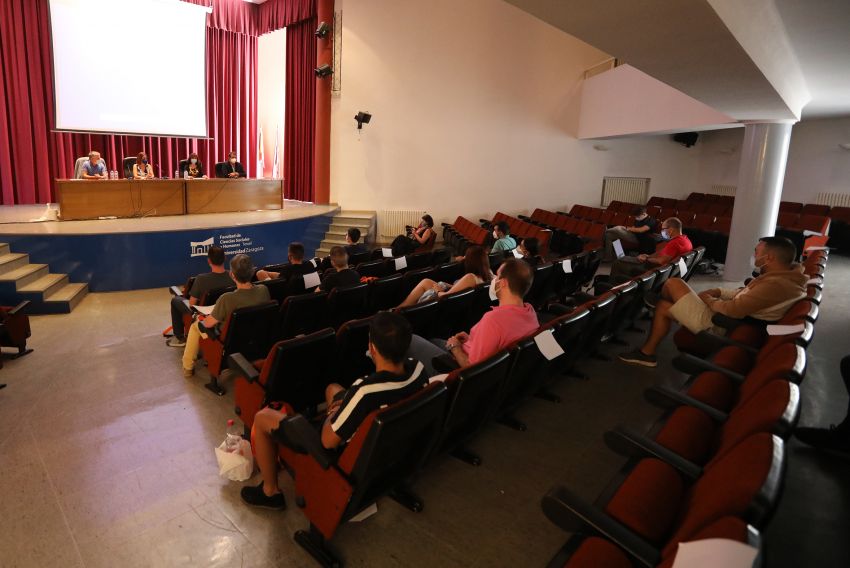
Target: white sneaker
(176, 342)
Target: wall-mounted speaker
(686, 138)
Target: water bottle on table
(233, 437)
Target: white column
(760, 177)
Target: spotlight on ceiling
(324, 70)
(323, 30)
(362, 118)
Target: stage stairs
(342, 221)
(48, 293)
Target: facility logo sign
(200, 248)
(233, 243)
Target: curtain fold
(300, 111)
(276, 14)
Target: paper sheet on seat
(401, 263)
(808, 233)
(785, 329)
(548, 345)
(683, 268)
(311, 280)
(313, 262)
(618, 249)
(387, 252)
(567, 266)
(206, 310)
(516, 253)
(713, 552)
(816, 248)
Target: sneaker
(175, 341)
(256, 497)
(835, 440)
(650, 299)
(638, 357)
(188, 373)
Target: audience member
(677, 244)
(245, 295)
(511, 320)
(529, 248)
(232, 168)
(353, 245)
(340, 275)
(193, 167)
(635, 235)
(836, 438)
(418, 238)
(476, 266)
(218, 277)
(94, 168)
(394, 379)
(142, 169)
(296, 266)
(503, 239)
(767, 297)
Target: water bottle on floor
(233, 436)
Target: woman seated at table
(142, 169)
(476, 265)
(193, 167)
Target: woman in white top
(142, 169)
(476, 263)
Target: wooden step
(67, 296)
(44, 286)
(12, 260)
(358, 214)
(4, 248)
(346, 222)
(24, 275)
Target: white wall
(271, 94)
(473, 104)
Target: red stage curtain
(300, 111)
(276, 14)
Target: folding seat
(601, 310)
(786, 219)
(654, 211)
(348, 303)
(569, 331)
(662, 274)
(594, 236)
(386, 293)
(717, 209)
(668, 202)
(566, 283)
(688, 257)
(422, 317)
(441, 256)
(278, 288)
(15, 329)
(626, 298)
(387, 450)
(594, 259)
(302, 314)
(696, 197)
(662, 503)
(790, 207)
(541, 286)
(375, 268)
(682, 205)
(359, 257)
(497, 258)
(718, 239)
(606, 217)
(629, 316)
(350, 359)
(594, 214)
(686, 216)
(712, 198)
(452, 316)
(617, 219)
(449, 272)
(816, 223)
(665, 213)
(413, 277)
(575, 211)
(481, 304)
(295, 371)
(248, 330)
(814, 209)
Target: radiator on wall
(719, 189)
(391, 223)
(834, 199)
(628, 189)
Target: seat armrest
(669, 398)
(692, 364)
(296, 433)
(723, 341)
(19, 308)
(726, 322)
(241, 366)
(175, 291)
(558, 309)
(628, 442)
(571, 513)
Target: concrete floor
(107, 459)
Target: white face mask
(232, 160)
(665, 234)
(194, 161)
(493, 296)
(495, 235)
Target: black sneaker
(835, 440)
(256, 497)
(638, 357)
(650, 300)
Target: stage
(149, 252)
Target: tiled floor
(106, 459)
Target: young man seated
(296, 266)
(635, 235)
(215, 279)
(512, 319)
(353, 245)
(339, 275)
(678, 244)
(766, 297)
(395, 378)
(503, 239)
(245, 295)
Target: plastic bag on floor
(238, 465)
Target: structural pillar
(322, 139)
(760, 178)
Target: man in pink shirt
(511, 320)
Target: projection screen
(129, 66)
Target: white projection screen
(129, 66)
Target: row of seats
(712, 466)
(572, 234)
(521, 229)
(463, 233)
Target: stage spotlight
(362, 118)
(323, 30)
(323, 71)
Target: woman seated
(417, 238)
(529, 248)
(194, 168)
(476, 264)
(142, 169)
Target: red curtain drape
(276, 14)
(300, 111)
(31, 156)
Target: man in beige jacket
(780, 284)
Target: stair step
(347, 222)
(358, 214)
(71, 294)
(343, 228)
(12, 260)
(24, 275)
(4, 248)
(45, 286)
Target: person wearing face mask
(232, 168)
(511, 320)
(502, 239)
(142, 169)
(780, 284)
(677, 244)
(193, 167)
(636, 235)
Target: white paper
(683, 267)
(438, 378)
(311, 280)
(516, 252)
(493, 296)
(401, 263)
(364, 514)
(618, 249)
(808, 233)
(713, 552)
(811, 281)
(567, 266)
(206, 310)
(313, 262)
(387, 252)
(548, 345)
(785, 329)
(817, 248)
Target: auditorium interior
(487, 283)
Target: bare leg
(265, 449)
(660, 326)
(674, 289)
(416, 293)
